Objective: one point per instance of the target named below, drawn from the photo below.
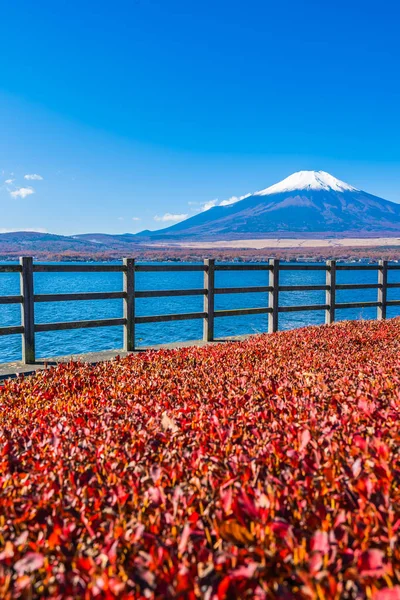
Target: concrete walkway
(17, 368)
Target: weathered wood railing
(27, 297)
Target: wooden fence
(27, 297)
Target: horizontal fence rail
(27, 298)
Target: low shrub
(263, 469)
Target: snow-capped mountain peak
(308, 180)
(306, 203)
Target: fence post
(27, 310)
(209, 283)
(330, 294)
(273, 296)
(129, 304)
(382, 289)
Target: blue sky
(130, 111)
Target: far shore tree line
(391, 253)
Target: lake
(106, 338)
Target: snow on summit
(307, 180)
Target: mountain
(46, 246)
(308, 204)
(107, 239)
(305, 203)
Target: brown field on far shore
(259, 244)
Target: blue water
(106, 338)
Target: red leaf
(32, 561)
(387, 593)
(371, 562)
(305, 438)
(226, 500)
(320, 542)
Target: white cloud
(22, 192)
(209, 204)
(133, 219)
(228, 202)
(170, 217)
(34, 177)
(36, 230)
(231, 200)
(8, 181)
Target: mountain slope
(305, 202)
(47, 245)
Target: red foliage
(265, 469)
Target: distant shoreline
(255, 249)
(260, 244)
(184, 254)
